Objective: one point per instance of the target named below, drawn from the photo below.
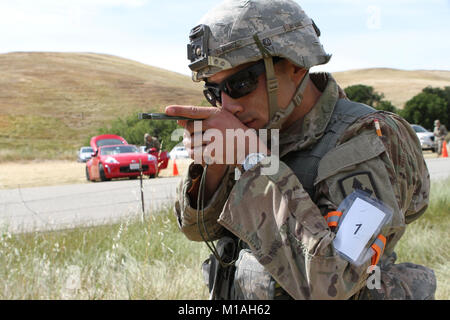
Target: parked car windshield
(86, 150)
(108, 151)
(108, 142)
(419, 128)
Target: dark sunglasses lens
(211, 96)
(236, 86)
(241, 86)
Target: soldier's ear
(291, 71)
(297, 73)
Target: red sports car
(106, 140)
(119, 161)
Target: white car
(142, 149)
(178, 152)
(84, 154)
(426, 138)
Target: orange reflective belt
(332, 218)
(378, 246)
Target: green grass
(131, 260)
(425, 241)
(153, 260)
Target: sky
(401, 34)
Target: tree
(424, 108)
(367, 95)
(363, 94)
(133, 130)
(444, 94)
(386, 105)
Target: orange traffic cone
(175, 168)
(444, 150)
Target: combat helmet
(242, 31)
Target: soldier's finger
(192, 112)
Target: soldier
(151, 142)
(440, 132)
(275, 241)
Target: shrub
(133, 130)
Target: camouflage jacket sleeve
(286, 230)
(188, 215)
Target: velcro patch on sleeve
(358, 181)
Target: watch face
(253, 159)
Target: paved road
(65, 206)
(439, 168)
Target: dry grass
(153, 260)
(398, 86)
(425, 240)
(130, 260)
(50, 103)
(41, 173)
(34, 173)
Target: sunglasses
(237, 85)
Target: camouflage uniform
(284, 227)
(439, 132)
(287, 243)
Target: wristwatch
(252, 160)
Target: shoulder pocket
(354, 165)
(345, 156)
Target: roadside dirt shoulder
(40, 173)
(26, 174)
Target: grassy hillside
(398, 86)
(50, 102)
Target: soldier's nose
(231, 105)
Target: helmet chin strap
(278, 116)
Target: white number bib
(362, 220)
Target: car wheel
(102, 174)
(152, 176)
(88, 178)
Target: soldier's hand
(219, 138)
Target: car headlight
(111, 160)
(151, 157)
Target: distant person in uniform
(151, 142)
(440, 132)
